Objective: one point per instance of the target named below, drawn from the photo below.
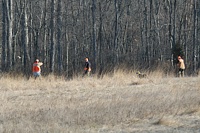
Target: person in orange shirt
(181, 66)
(36, 68)
(87, 68)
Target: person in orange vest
(36, 68)
(181, 66)
(87, 68)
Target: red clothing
(36, 67)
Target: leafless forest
(133, 34)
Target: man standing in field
(36, 68)
(87, 68)
(181, 66)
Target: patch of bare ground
(121, 103)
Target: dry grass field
(118, 103)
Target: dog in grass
(141, 75)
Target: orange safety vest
(36, 68)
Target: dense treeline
(136, 34)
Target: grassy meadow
(117, 103)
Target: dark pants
(86, 73)
(181, 72)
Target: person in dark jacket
(87, 67)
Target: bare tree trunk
(116, 34)
(100, 41)
(146, 33)
(174, 31)
(174, 24)
(198, 34)
(59, 27)
(159, 27)
(67, 54)
(44, 47)
(3, 48)
(9, 33)
(94, 33)
(151, 43)
(170, 32)
(25, 39)
(52, 51)
(31, 48)
(141, 48)
(74, 42)
(194, 36)
(185, 40)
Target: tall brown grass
(120, 101)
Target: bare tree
(94, 33)
(52, 37)
(4, 39)
(9, 7)
(59, 27)
(25, 39)
(195, 36)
